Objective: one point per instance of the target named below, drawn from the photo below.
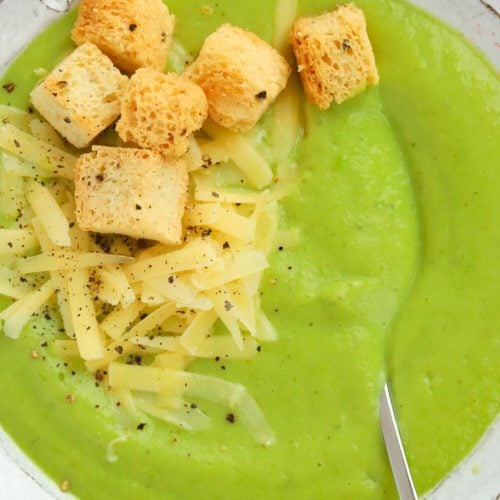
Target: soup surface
(396, 274)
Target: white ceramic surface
(478, 477)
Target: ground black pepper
(9, 87)
(261, 96)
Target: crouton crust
(161, 111)
(334, 55)
(240, 74)
(81, 96)
(135, 192)
(132, 33)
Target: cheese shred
(139, 317)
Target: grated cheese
(246, 158)
(54, 160)
(19, 313)
(49, 213)
(85, 324)
(59, 260)
(17, 167)
(17, 241)
(159, 307)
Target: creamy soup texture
(396, 275)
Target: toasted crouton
(81, 97)
(135, 192)
(160, 111)
(132, 33)
(334, 55)
(240, 74)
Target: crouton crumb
(132, 33)
(240, 74)
(161, 111)
(334, 56)
(122, 200)
(81, 96)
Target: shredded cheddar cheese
(163, 305)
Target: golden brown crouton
(135, 192)
(240, 74)
(160, 111)
(81, 97)
(132, 33)
(334, 55)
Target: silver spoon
(394, 447)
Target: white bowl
(478, 476)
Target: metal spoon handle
(395, 450)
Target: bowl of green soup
(385, 266)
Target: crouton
(334, 55)
(240, 74)
(132, 33)
(81, 97)
(161, 111)
(135, 192)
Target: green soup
(396, 275)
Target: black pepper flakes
(227, 305)
(226, 245)
(138, 207)
(134, 360)
(141, 426)
(207, 161)
(214, 194)
(171, 279)
(132, 27)
(261, 96)
(119, 349)
(9, 87)
(346, 45)
(230, 417)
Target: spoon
(394, 447)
